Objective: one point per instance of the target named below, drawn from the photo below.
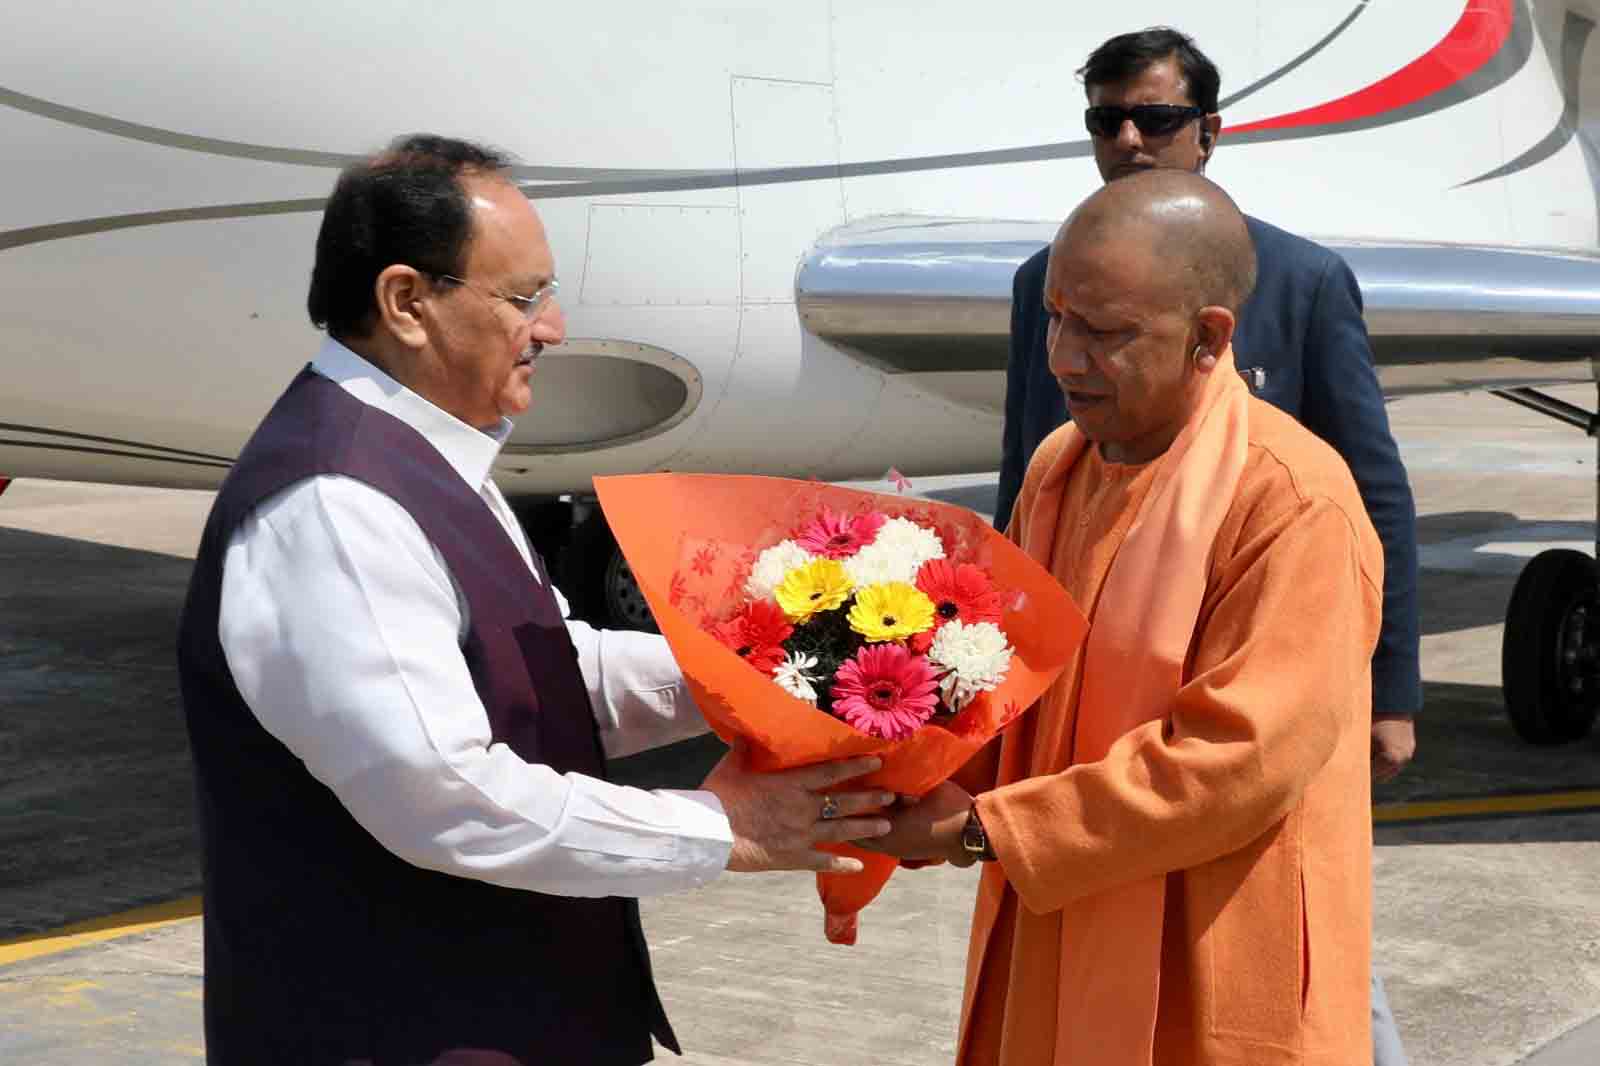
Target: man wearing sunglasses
(1300, 343)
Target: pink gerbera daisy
(885, 691)
(835, 535)
(959, 592)
(756, 634)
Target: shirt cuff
(1396, 686)
(706, 838)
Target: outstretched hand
(778, 819)
(929, 828)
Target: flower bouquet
(818, 623)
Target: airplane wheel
(623, 600)
(1550, 655)
(607, 592)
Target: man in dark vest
(412, 854)
(1301, 344)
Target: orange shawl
(1133, 668)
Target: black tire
(597, 575)
(1550, 654)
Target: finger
(821, 776)
(847, 804)
(823, 862)
(840, 830)
(849, 830)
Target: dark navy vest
(322, 947)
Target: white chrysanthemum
(867, 567)
(896, 554)
(977, 656)
(794, 674)
(772, 566)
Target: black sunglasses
(1151, 120)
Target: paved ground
(1488, 930)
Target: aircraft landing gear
(1550, 653)
(1550, 656)
(602, 586)
(582, 557)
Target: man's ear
(1214, 325)
(1210, 129)
(399, 292)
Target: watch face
(973, 837)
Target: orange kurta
(1251, 795)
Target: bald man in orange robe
(1178, 834)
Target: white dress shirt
(342, 627)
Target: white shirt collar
(470, 452)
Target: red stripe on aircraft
(1470, 44)
(4, 481)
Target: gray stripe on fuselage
(553, 183)
(267, 153)
(15, 427)
(1574, 38)
(1511, 57)
(1257, 86)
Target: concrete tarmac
(1487, 927)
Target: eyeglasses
(530, 307)
(1151, 120)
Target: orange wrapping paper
(691, 541)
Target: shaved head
(1143, 288)
(1192, 226)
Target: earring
(1198, 354)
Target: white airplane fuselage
(167, 160)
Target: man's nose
(551, 325)
(1066, 357)
(1128, 138)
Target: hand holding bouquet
(816, 622)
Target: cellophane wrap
(691, 541)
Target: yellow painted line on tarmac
(95, 930)
(1539, 803)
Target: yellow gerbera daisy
(820, 585)
(891, 611)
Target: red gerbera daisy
(958, 591)
(834, 535)
(756, 634)
(885, 691)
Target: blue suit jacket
(1302, 327)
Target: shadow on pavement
(96, 808)
(1467, 748)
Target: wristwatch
(974, 840)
